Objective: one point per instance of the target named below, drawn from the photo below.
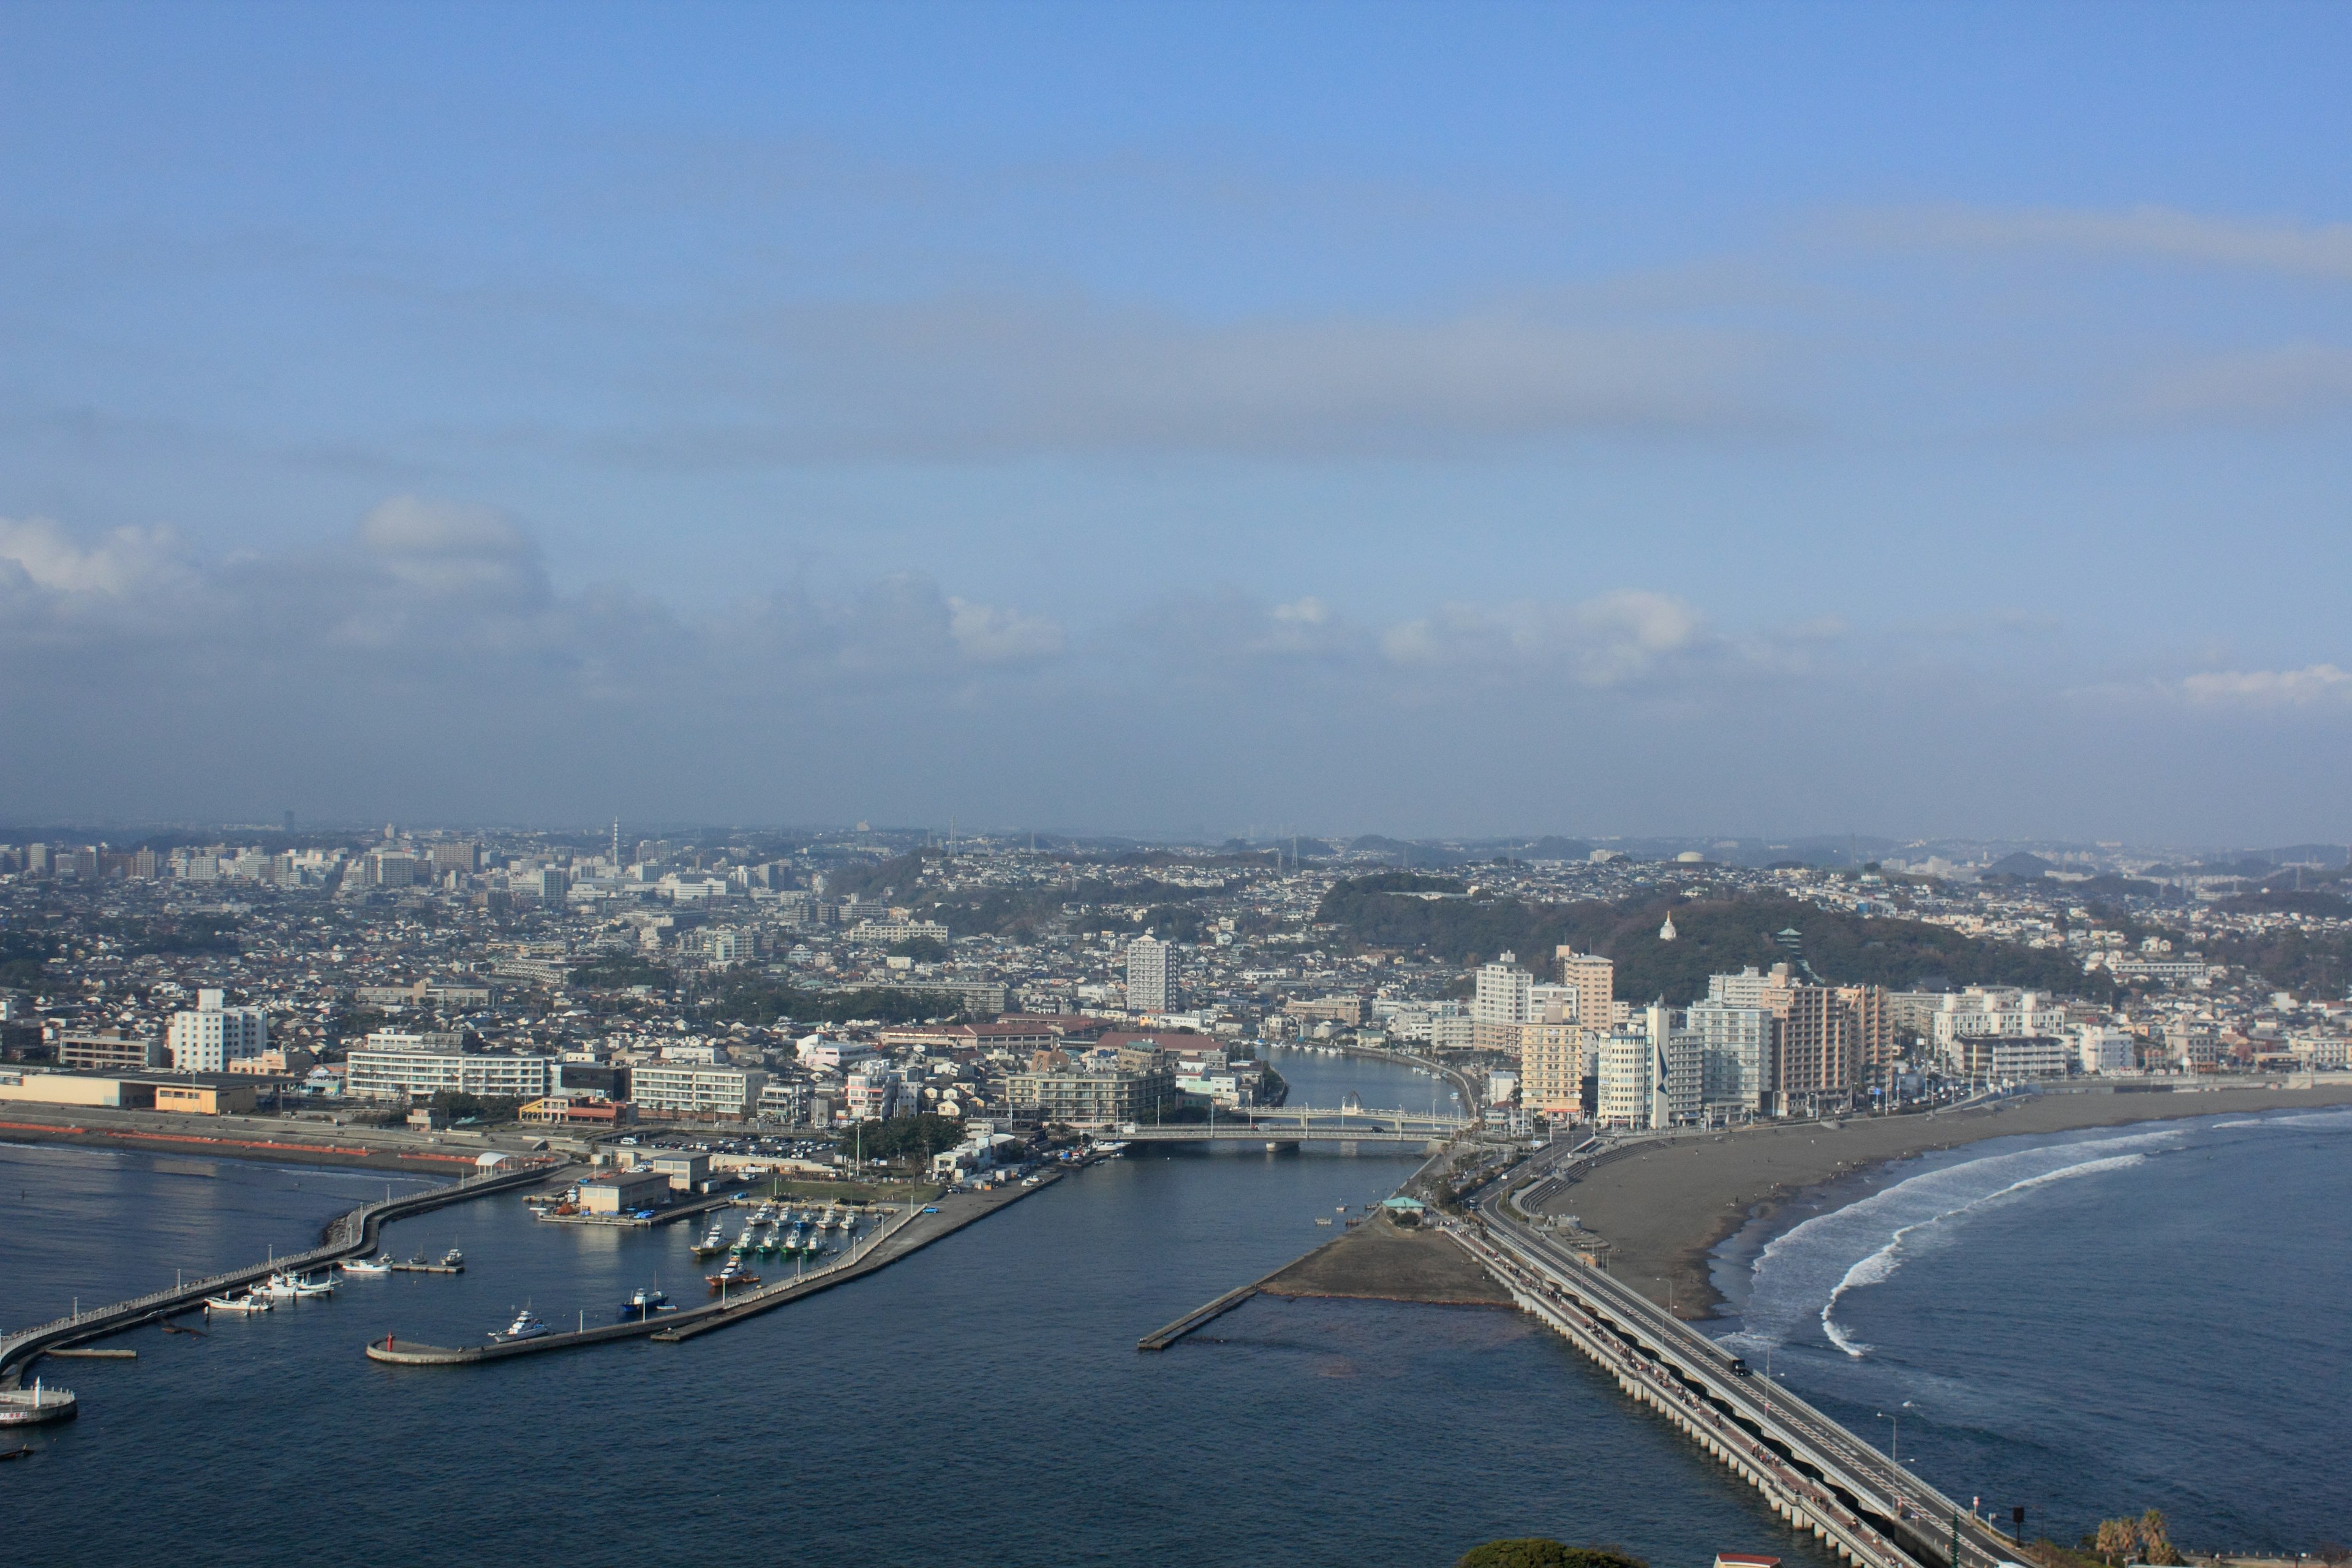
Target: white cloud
(988, 635)
(1607, 641)
(2314, 683)
(41, 557)
(449, 547)
(2311, 250)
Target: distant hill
(1406, 853)
(1714, 936)
(2020, 865)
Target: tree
(1537, 1551)
(2156, 1544)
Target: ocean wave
(1881, 1265)
(1798, 1276)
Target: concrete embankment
(248, 1138)
(909, 1231)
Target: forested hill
(1714, 936)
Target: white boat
(237, 1304)
(284, 1287)
(377, 1265)
(524, 1327)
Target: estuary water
(980, 1403)
(2085, 1324)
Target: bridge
(1301, 1123)
(1814, 1472)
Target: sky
(1181, 420)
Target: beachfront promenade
(352, 1236)
(1814, 1472)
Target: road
(1687, 1368)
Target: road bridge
(1814, 1471)
(1302, 1124)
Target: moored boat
(246, 1303)
(379, 1264)
(524, 1327)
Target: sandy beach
(1663, 1209)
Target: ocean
(981, 1403)
(2084, 1324)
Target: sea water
(979, 1403)
(2085, 1324)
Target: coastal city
(1548, 784)
(818, 981)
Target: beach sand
(1663, 1206)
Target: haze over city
(1179, 421)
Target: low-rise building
(693, 1089)
(624, 1192)
(398, 1070)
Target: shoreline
(1666, 1207)
(155, 1141)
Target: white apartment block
(1149, 979)
(2104, 1050)
(398, 1070)
(1980, 1013)
(1627, 1066)
(213, 1036)
(1734, 1041)
(1504, 991)
(688, 1087)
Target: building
(213, 1035)
(2033, 1056)
(2099, 1049)
(1499, 1004)
(1594, 979)
(1979, 1013)
(1818, 1047)
(696, 1088)
(189, 1095)
(624, 1192)
(1627, 1078)
(1552, 1065)
(1736, 1047)
(1084, 1097)
(393, 1065)
(112, 1051)
(1348, 1010)
(1150, 980)
(973, 998)
(685, 1170)
(785, 1099)
(579, 1111)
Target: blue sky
(1920, 420)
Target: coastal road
(1692, 1369)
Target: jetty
(912, 1229)
(352, 1236)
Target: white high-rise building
(1626, 1070)
(1504, 992)
(213, 1036)
(1735, 1048)
(1150, 976)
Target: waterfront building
(624, 1192)
(213, 1034)
(1499, 1004)
(1150, 985)
(393, 1065)
(1090, 1098)
(1734, 1043)
(2036, 1056)
(1979, 1013)
(1552, 1064)
(1626, 1074)
(1594, 979)
(110, 1050)
(696, 1088)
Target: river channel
(981, 1403)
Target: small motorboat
(643, 1302)
(238, 1304)
(379, 1264)
(524, 1327)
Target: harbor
(911, 1229)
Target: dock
(1160, 1339)
(910, 1231)
(428, 1269)
(352, 1236)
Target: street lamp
(1894, 1437)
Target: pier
(910, 1230)
(1160, 1339)
(350, 1236)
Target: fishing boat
(247, 1303)
(799, 1242)
(734, 1276)
(377, 1265)
(284, 1287)
(643, 1302)
(524, 1327)
(453, 1258)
